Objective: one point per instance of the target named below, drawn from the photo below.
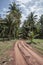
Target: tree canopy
(10, 25)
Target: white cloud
(22, 19)
(23, 1)
(23, 8)
(22, 5)
(28, 6)
(3, 12)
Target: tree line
(31, 27)
(10, 25)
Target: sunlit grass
(38, 45)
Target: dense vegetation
(10, 25)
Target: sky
(26, 6)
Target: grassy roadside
(38, 46)
(5, 47)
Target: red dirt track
(24, 55)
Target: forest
(21, 42)
(10, 25)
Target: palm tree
(32, 20)
(29, 25)
(15, 16)
(41, 26)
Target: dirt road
(24, 55)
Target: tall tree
(15, 15)
(41, 24)
(31, 20)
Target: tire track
(27, 56)
(37, 57)
(19, 60)
(24, 55)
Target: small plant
(32, 36)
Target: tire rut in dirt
(27, 56)
(19, 60)
(38, 60)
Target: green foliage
(41, 26)
(31, 36)
(10, 29)
(39, 45)
(10, 26)
(28, 28)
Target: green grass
(38, 45)
(5, 47)
(38, 40)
